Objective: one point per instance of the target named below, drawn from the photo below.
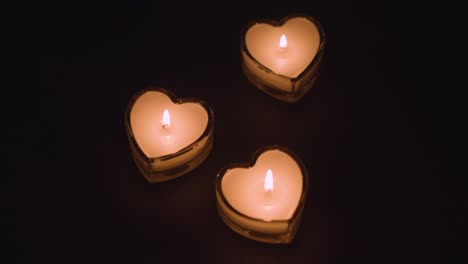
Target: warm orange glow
(268, 181)
(166, 121)
(283, 43)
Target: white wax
(188, 122)
(303, 40)
(244, 189)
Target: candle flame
(166, 121)
(268, 181)
(283, 43)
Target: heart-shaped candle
(168, 136)
(264, 199)
(282, 58)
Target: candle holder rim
(279, 23)
(250, 164)
(176, 100)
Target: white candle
(282, 56)
(265, 197)
(286, 50)
(163, 129)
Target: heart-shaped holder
(264, 198)
(282, 58)
(168, 136)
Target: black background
(368, 133)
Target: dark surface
(367, 133)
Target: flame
(166, 121)
(283, 43)
(268, 181)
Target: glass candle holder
(168, 136)
(282, 58)
(263, 199)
